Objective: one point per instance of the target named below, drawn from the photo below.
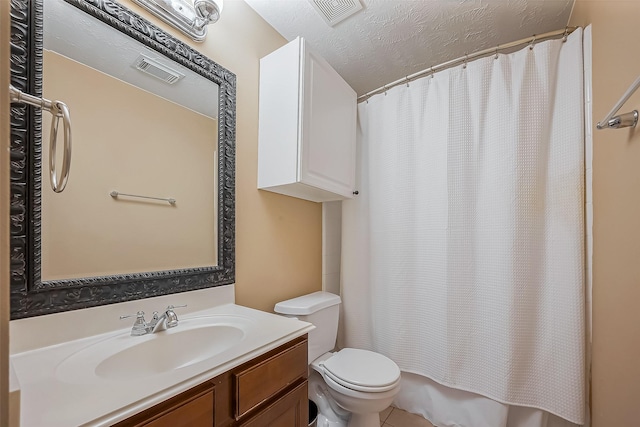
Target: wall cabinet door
(328, 130)
(307, 126)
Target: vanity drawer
(261, 381)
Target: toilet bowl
(329, 413)
(361, 382)
(351, 386)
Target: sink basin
(126, 358)
(166, 352)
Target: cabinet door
(292, 410)
(193, 408)
(328, 147)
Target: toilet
(350, 386)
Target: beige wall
(278, 238)
(134, 147)
(616, 202)
(4, 212)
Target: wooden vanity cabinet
(268, 391)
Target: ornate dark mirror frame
(30, 296)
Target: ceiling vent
(157, 70)
(334, 11)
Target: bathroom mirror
(133, 133)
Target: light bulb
(208, 10)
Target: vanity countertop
(50, 398)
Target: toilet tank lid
(307, 304)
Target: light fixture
(189, 16)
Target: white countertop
(50, 400)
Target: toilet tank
(322, 309)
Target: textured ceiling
(390, 39)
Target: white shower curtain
(463, 255)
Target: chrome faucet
(162, 322)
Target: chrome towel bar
(59, 110)
(170, 200)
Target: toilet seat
(360, 395)
(361, 370)
(331, 378)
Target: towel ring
(59, 110)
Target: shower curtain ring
(531, 44)
(407, 79)
(433, 72)
(464, 65)
(496, 52)
(566, 33)
(385, 90)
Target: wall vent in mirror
(157, 70)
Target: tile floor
(394, 417)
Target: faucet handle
(138, 315)
(172, 318)
(139, 326)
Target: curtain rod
(464, 59)
(623, 120)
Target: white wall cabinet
(307, 126)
